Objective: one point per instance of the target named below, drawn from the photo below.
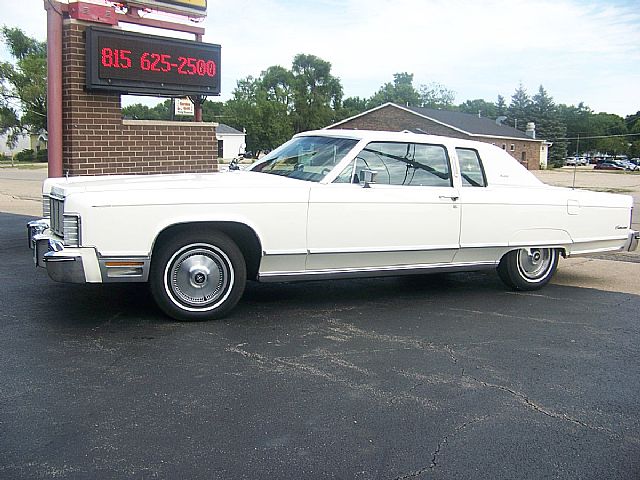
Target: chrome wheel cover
(534, 263)
(198, 277)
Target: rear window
(471, 168)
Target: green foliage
(401, 92)
(23, 86)
(26, 155)
(518, 111)
(544, 113)
(484, 108)
(316, 93)
(436, 95)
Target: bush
(25, 155)
(28, 155)
(42, 156)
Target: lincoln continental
(327, 204)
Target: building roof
(463, 122)
(227, 130)
(470, 123)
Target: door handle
(450, 197)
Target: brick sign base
(96, 140)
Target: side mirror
(367, 178)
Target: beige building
(524, 147)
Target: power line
(599, 136)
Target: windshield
(306, 158)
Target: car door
(408, 218)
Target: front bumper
(81, 264)
(63, 265)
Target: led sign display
(147, 64)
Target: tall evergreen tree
(549, 126)
(519, 109)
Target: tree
(267, 123)
(577, 120)
(518, 111)
(316, 93)
(479, 107)
(23, 86)
(436, 95)
(351, 107)
(501, 107)
(401, 92)
(549, 126)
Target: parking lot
(446, 376)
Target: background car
(608, 165)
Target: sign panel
(192, 8)
(184, 106)
(150, 65)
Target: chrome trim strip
(396, 270)
(416, 248)
(299, 251)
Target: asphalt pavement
(442, 377)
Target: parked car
(628, 165)
(327, 204)
(609, 165)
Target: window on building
(409, 164)
(471, 169)
(512, 147)
(220, 148)
(504, 146)
(523, 156)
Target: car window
(471, 168)
(408, 164)
(306, 158)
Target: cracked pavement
(428, 377)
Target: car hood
(184, 181)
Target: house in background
(524, 147)
(24, 143)
(35, 141)
(231, 142)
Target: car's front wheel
(528, 268)
(197, 276)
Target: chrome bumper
(81, 264)
(631, 244)
(48, 253)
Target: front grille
(56, 209)
(46, 206)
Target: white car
(327, 204)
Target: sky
(580, 51)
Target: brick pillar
(97, 141)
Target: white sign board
(184, 106)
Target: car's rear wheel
(197, 276)
(528, 268)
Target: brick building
(525, 148)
